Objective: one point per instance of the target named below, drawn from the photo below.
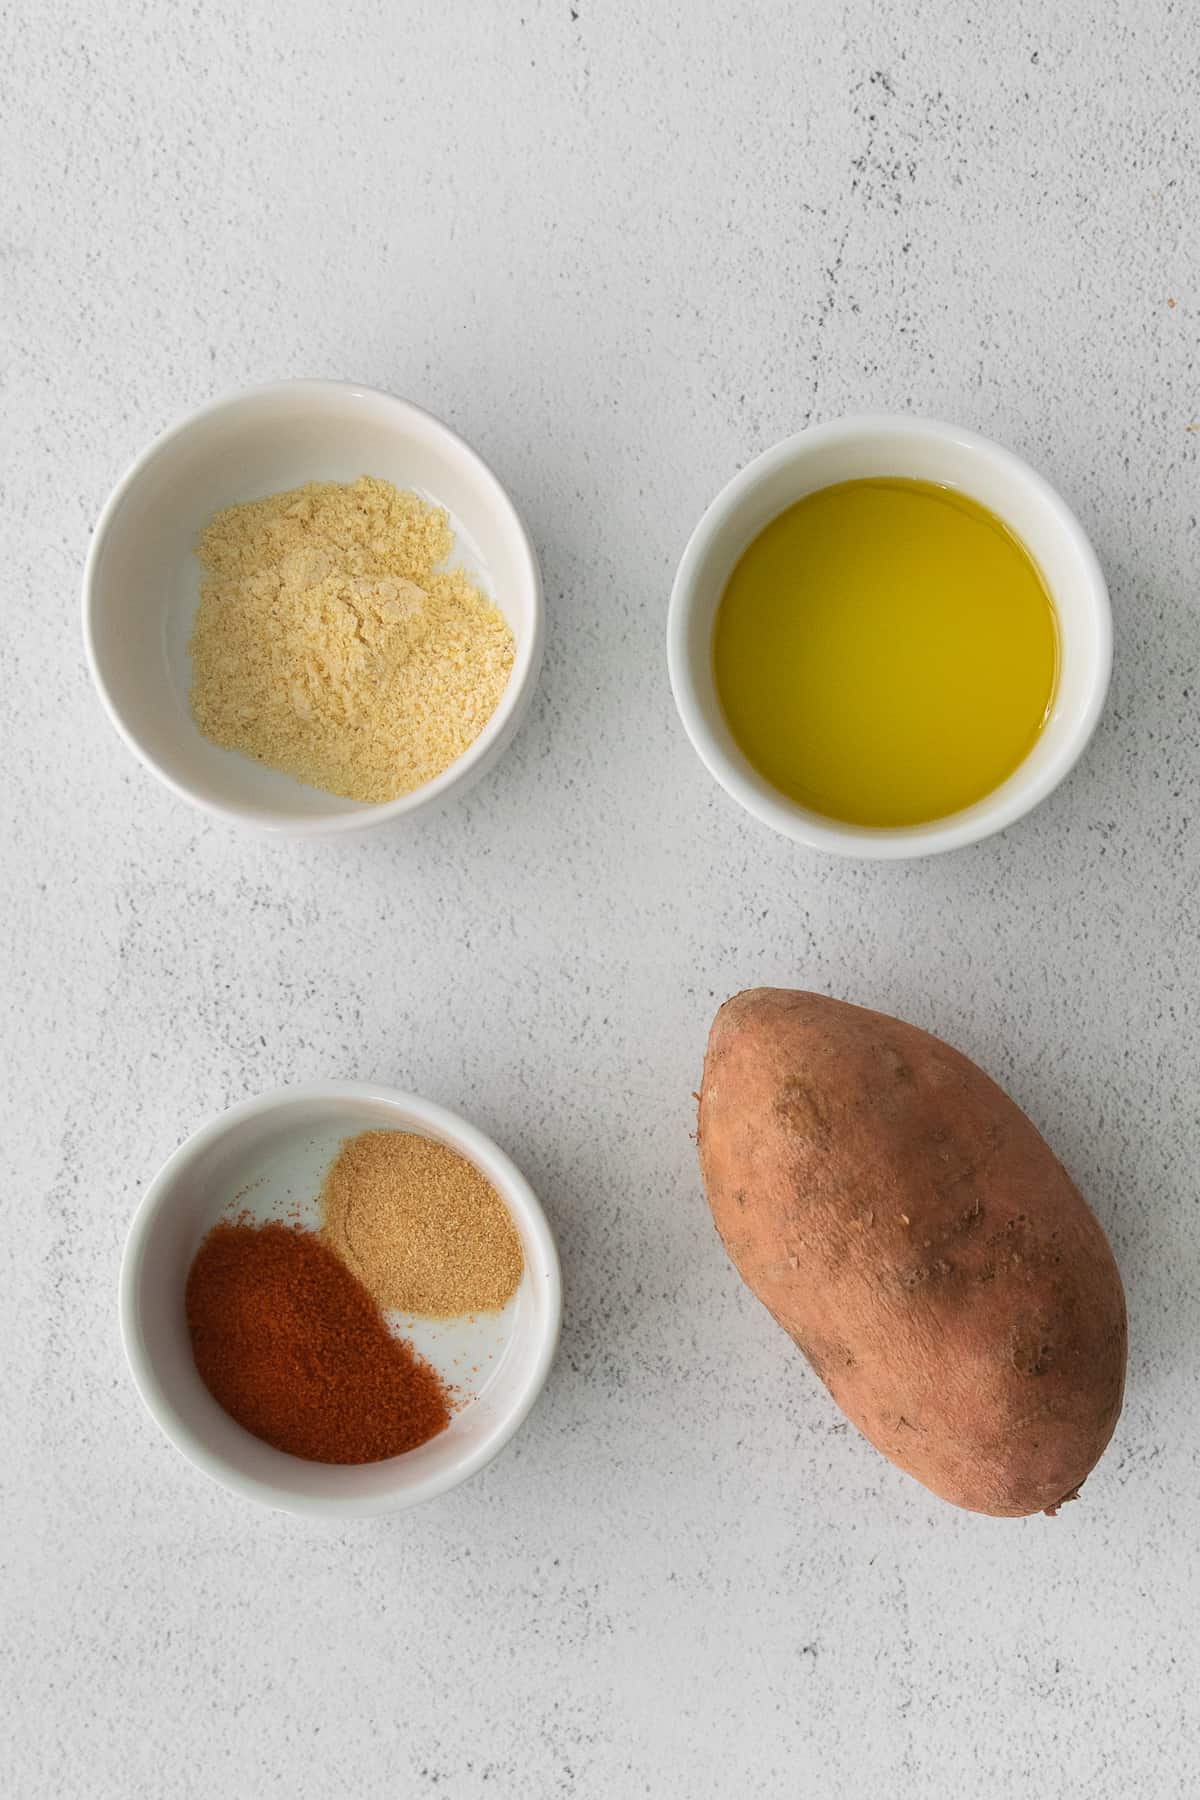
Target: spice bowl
(945, 456)
(267, 1157)
(141, 583)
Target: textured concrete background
(621, 248)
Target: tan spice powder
(418, 1224)
(329, 644)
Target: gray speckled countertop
(621, 248)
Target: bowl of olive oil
(889, 637)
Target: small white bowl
(269, 1156)
(142, 580)
(921, 449)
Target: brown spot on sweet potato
(969, 1220)
(896, 1064)
(956, 1231)
(829, 1360)
(802, 1113)
(932, 1273)
(1031, 1355)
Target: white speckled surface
(620, 248)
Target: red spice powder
(291, 1344)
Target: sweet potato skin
(917, 1238)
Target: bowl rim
(777, 810)
(517, 1195)
(494, 737)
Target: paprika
(292, 1345)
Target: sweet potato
(916, 1237)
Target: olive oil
(885, 652)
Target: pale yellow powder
(326, 645)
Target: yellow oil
(885, 652)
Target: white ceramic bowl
(141, 583)
(921, 449)
(270, 1155)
